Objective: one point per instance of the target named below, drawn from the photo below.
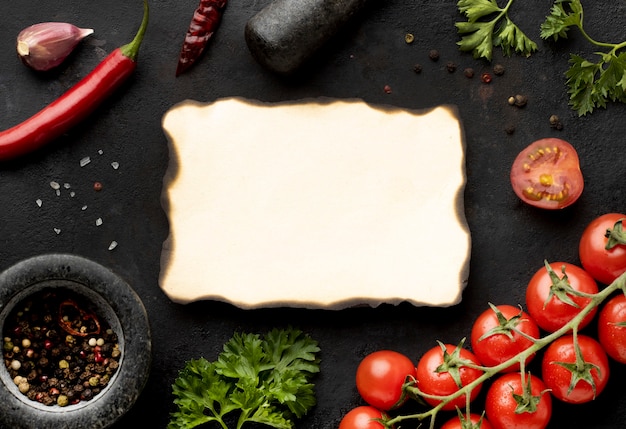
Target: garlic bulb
(46, 45)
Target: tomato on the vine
(443, 370)
(602, 248)
(475, 421)
(380, 376)
(612, 328)
(363, 417)
(513, 403)
(571, 378)
(546, 174)
(549, 297)
(501, 333)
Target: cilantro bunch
(263, 380)
(590, 84)
(489, 25)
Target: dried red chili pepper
(77, 103)
(66, 324)
(204, 23)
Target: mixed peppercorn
(57, 350)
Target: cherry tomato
(362, 417)
(546, 301)
(442, 383)
(496, 335)
(547, 174)
(612, 328)
(501, 402)
(559, 378)
(474, 422)
(605, 265)
(380, 376)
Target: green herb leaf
(476, 9)
(582, 86)
(479, 34)
(267, 380)
(199, 387)
(509, 37)
(477, 38)
(590, 84)
(560, 20)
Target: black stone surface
(286, 33)
(510, 240)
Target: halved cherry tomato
(547, 174)
(602, 248)
(571, 378)
(461, 422)
(612, 328)
(548, 301)
(500, 333)
(441, 368)
(363, 417)
(380, 376)
(515, 404)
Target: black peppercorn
(54, 367)
(498, 69)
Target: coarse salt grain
(55, 185)
(39, 202)
(113, 245)
(99, 221)
(84, 161)
(57, 230)
(115, 165)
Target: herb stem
(489, 372)
(613, 46)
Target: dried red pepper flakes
(205, 21)
(72, 317)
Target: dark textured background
(510, 239)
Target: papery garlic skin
(46, 45)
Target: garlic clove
(46, 45)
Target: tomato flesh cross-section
(546, 174)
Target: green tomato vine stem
(489, 372)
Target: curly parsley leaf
(563, 15)
(199, 388)
(267, 380)
(488, 26)
(590, 84)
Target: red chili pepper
(77, 103)
(204, 23)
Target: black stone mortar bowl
(123, 311)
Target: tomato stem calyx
(616, 236)
(505, 326)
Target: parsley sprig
(590, 84)
(489, 25)
(266, 380)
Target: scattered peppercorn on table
(96, 190)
